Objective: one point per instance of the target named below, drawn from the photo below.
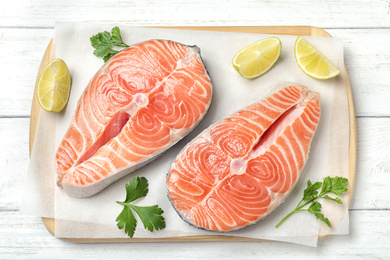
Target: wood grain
(22, 54)
(26, 27)
(278, 30)
(366, 55)
(35, 107)
(324, 14)
(371, 179)
(373, 169)
(24, 237)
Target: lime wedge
(313, 62)
(257, 58)
(53, 87)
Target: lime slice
(313, 62)
(53, 87)
(257, 58)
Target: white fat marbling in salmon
(141, 102)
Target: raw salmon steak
(241, 168)
(141, 102)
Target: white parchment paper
(95, 217)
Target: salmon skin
(240, 169)
(140, 103)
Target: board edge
(49, 223)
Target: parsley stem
(336, 185)
(308, 202)
(297, 209)
(123, 203)
(286, 217)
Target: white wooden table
(364, 27)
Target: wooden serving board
(274, 30)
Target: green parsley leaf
(104, 43)
(127, 220)
(116, 36)
(327, 184)
(338, 185)
(108, 56)
(320, 216)
(335, 185)
(334, 199)
(137, 188)
(314, 207)
(311, 191)
(151, 216)
(101, 42)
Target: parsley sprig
(335, 185)
(104, 43)
(150, 216)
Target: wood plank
(366, 53)
(287, 30)
(13, 161)
(325, 14)
(23, 53)
(373, 176)
(370, 175)
(35, 107)
(372, 172)
(366, 57)
(25, 237)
